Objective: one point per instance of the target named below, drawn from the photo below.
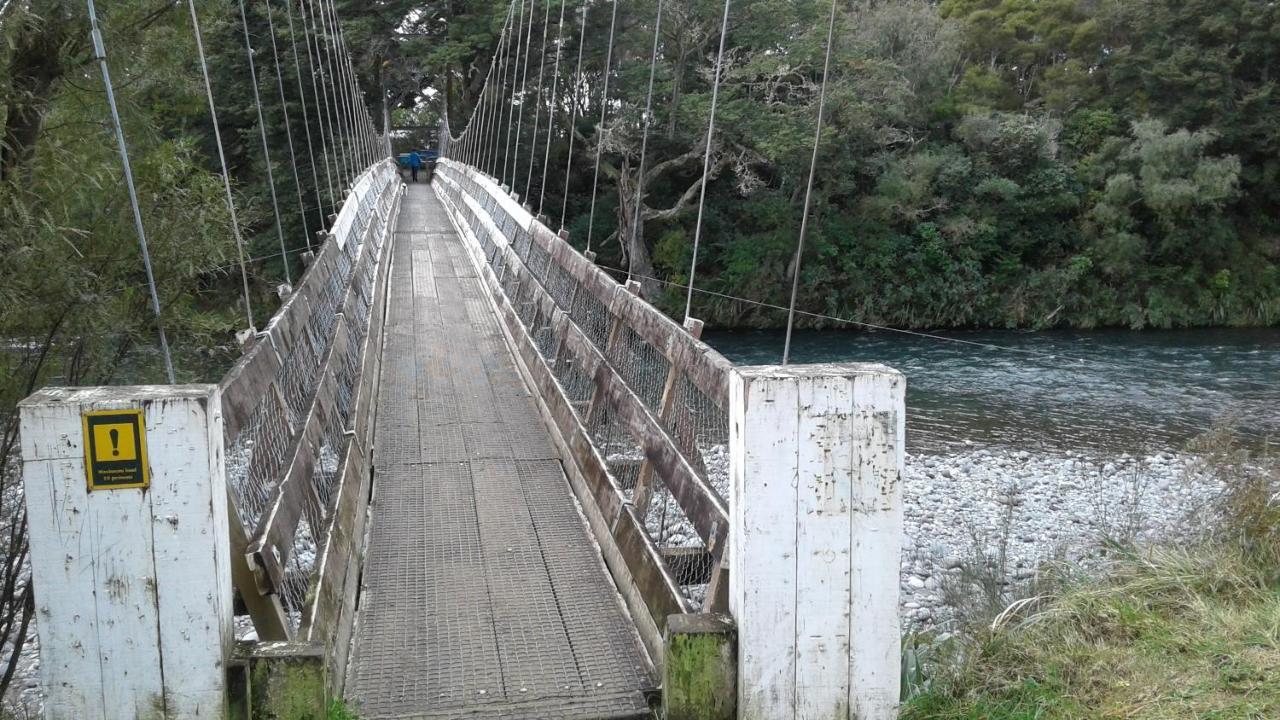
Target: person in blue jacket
(415, 164)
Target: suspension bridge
(463, 471)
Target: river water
(1103, 391)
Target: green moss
(700, 665)
(338, 710)
(290, 688)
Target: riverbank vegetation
(1186, 630)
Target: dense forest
(986, 162)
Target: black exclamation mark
(115, 442)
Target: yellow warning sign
(115, 449)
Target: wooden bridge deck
(483, 592)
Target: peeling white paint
(815, 464)
(133, 586)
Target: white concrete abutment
(132, 584)
(816, 460)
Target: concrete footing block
(700, 669)
(280, 681)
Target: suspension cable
(488, 101)
(636, 221)
(808, 192)
(335, 144)
(502, 106)
(342, 102)
(511, 107)
(222, 158)
(359, 106)
(490, 117)
(497, 92)
(306, 122)
(537, 108)
(320, 25)
(355, 94)
(473, 148)
(288, 129)
(343, 83)
(524, 84)
(346, 76)
(573, 118)
(604, 110)
(551, 108)
(706, 159)
(262, 130)
(481, 110)
(325, 65)
(321, 115)
(100, 49)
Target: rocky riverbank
(997, 513)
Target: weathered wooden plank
(815, 464)
(130, 583)
(691, 491)
(657, 585)
(605, 490)
(264, 608)
(764, 435)
(699, 501)
(196, 630)
(285, 328)
(322, 615)
(272, 541)
(244, 386)
(330, 614)
(822, 504)
(594, 486)
(707, 369)
(687, 355)
(644, 481)
(717, 598)
(648, 322)
(879, 407)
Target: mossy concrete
(700, 668)
(286, 680)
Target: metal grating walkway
(484, 595)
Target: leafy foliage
(74, 301)
(984, 162)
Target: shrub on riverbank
(1163, 632)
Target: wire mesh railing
(641, 402)
(295, 422)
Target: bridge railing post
(816, 457)
(126, 502)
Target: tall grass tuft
(1171, 631)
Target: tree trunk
(677, 87)
(631, 233)
(34, 68)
